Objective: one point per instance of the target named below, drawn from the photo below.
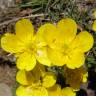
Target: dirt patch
(7, 75)
(5, 90)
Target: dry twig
(16, 19)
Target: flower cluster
(52, 45)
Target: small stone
(5, 90)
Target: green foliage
(55, 8)
(36, 5)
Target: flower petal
(76, 60)
(31, 91)
(10, 43)
(49, 80)
(56, 57)
(26, 61)
(20, 91)
(24, 77)
(50, 34)
(84, 41)
(42, 56)
(67, 91)
(24, 30)
(68, 29)
(40, 91)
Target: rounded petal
(84, 41)
(20, 91)
(42, 57)
(50, 34)
(94, 26)
(24, 30)
(26, 61)
(55, 91)
(45, 29)
(10, 43)
(31, 91)
(56, 57)
(68, 29)
(21, 77)
(24, 77)
(40, 91)
(67, 91)
(76, 60)
(49, 80)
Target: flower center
(65, 49)
(31, 48)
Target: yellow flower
(75, 77)
(94, 26)
(30, 77)
(35, 81)
(30, 91)
(53, 91)
(37, 76)
(64, 46)
(68, 91)
(25, 46)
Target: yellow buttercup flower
(25, 46)
(37, 76)
(53, 91)
(30, 91)
(64, 46)
(75, 77)
(30, 77)
(35, 81)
